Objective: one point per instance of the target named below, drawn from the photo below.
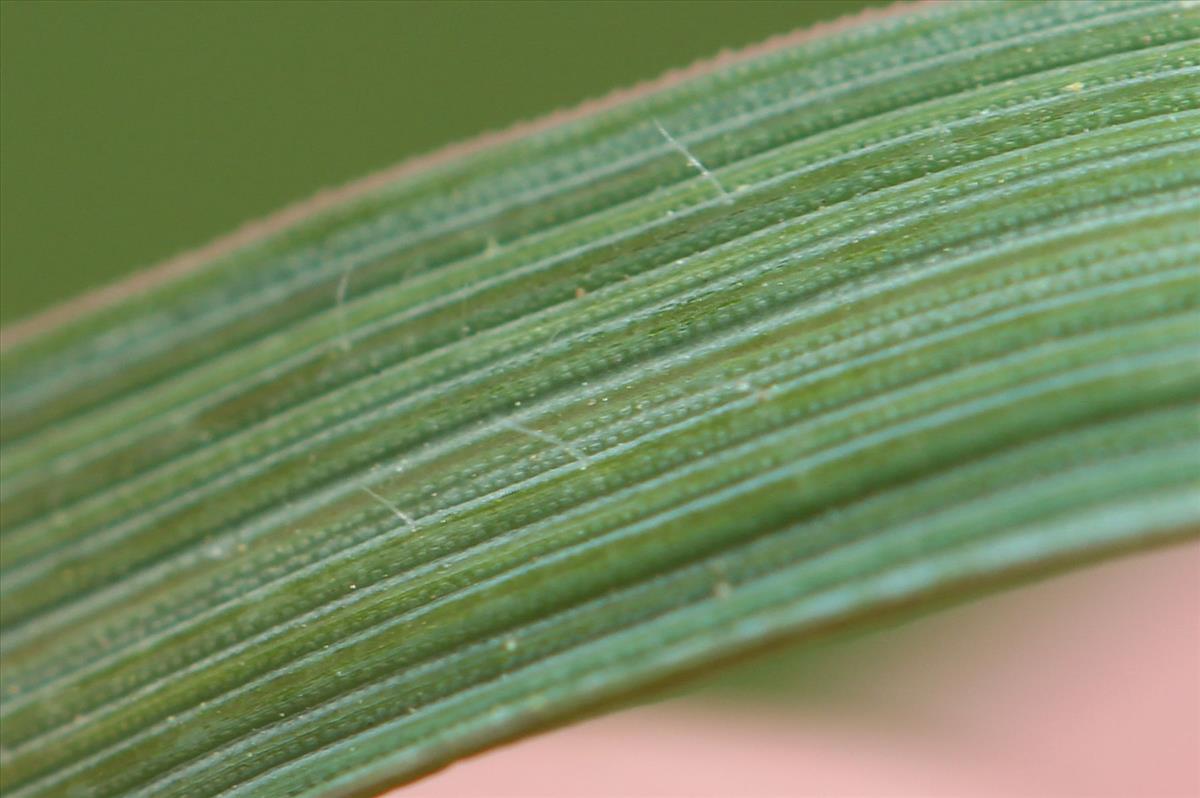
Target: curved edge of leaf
(1086, 335)
(21, 332)
(653, 676)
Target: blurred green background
(130, 131)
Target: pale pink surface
(1084, 685)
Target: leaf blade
(672, 415)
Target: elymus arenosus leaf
(839, 325)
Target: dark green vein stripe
(1064, 401)
(733, 381)
(1079, 42)
(11, 605)
(326, 370)
(1150, 231)
(521, 432)
(885, 409)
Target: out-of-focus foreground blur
(1084, 685)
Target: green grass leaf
(839, 326)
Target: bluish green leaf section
(854, 325)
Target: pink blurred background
(1087, 684)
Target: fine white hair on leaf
(403, 516)
(343, 286)
(575, 452)
(694, 161)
